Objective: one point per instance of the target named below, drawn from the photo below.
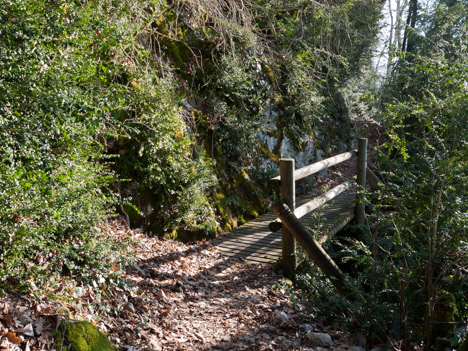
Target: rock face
(307, 155)
(81, 336)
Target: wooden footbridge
(255, 242)
(267, 239)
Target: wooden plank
(254, 256)
(253, 250)
(322, 199)
(340, 225)
(251, 245)
(247, 240)
(315, 167)
(254, 259)
(262, 243)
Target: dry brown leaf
(7, 319)
(11, 336)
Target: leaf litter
(174, 296)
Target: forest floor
(178, 296)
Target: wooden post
(361, 179)
(288, 196)
(313, 248)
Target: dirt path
(175, 297)
(180, 297)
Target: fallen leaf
(7, 319)
(14, 339)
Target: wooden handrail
(288, 196)
(315, 203)
(315, 167)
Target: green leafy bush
(409, 263)
(75, 82)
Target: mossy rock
(81, 336)
(267, 153)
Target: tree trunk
(408, 40)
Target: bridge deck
(255, 243)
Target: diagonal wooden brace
(313, 248)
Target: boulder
(321, 339)
(81, 336)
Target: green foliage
(167, 172)
(239, 91)
(409, 262)
(281, 81)
(426, 170)
(464, 344)
(419, 224)
(76, 93)
(53, 185)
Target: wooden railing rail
(286, 182)
(315, 203)
(315, 167)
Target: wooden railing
(286, 182)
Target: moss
(58, 340)
(240, 178)
(179, 134)
(267, 153)
(269, 74)
(253, 213)
(227, 227)
(134, 215)
(278, 98)
(82, 336)
(173, 48)
(295, 139)
(134, 84)
(220, 203)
